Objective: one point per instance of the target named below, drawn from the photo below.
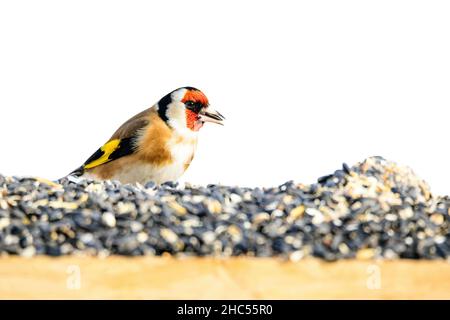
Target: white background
(305, 85)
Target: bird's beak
(210, 115)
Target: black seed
(336, 218)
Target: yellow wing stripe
(107, 149)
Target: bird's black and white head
(187, 108)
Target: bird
(157, 144)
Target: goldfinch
(157, 144)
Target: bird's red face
(194, 101)
(198, 111)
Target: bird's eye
(194, 106)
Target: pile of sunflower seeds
(375, 209)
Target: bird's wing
(122, 143)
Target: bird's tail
(78, 172)
(75, 175)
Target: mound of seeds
(375, 209)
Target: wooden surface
(207, 278)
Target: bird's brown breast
(153, 142)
